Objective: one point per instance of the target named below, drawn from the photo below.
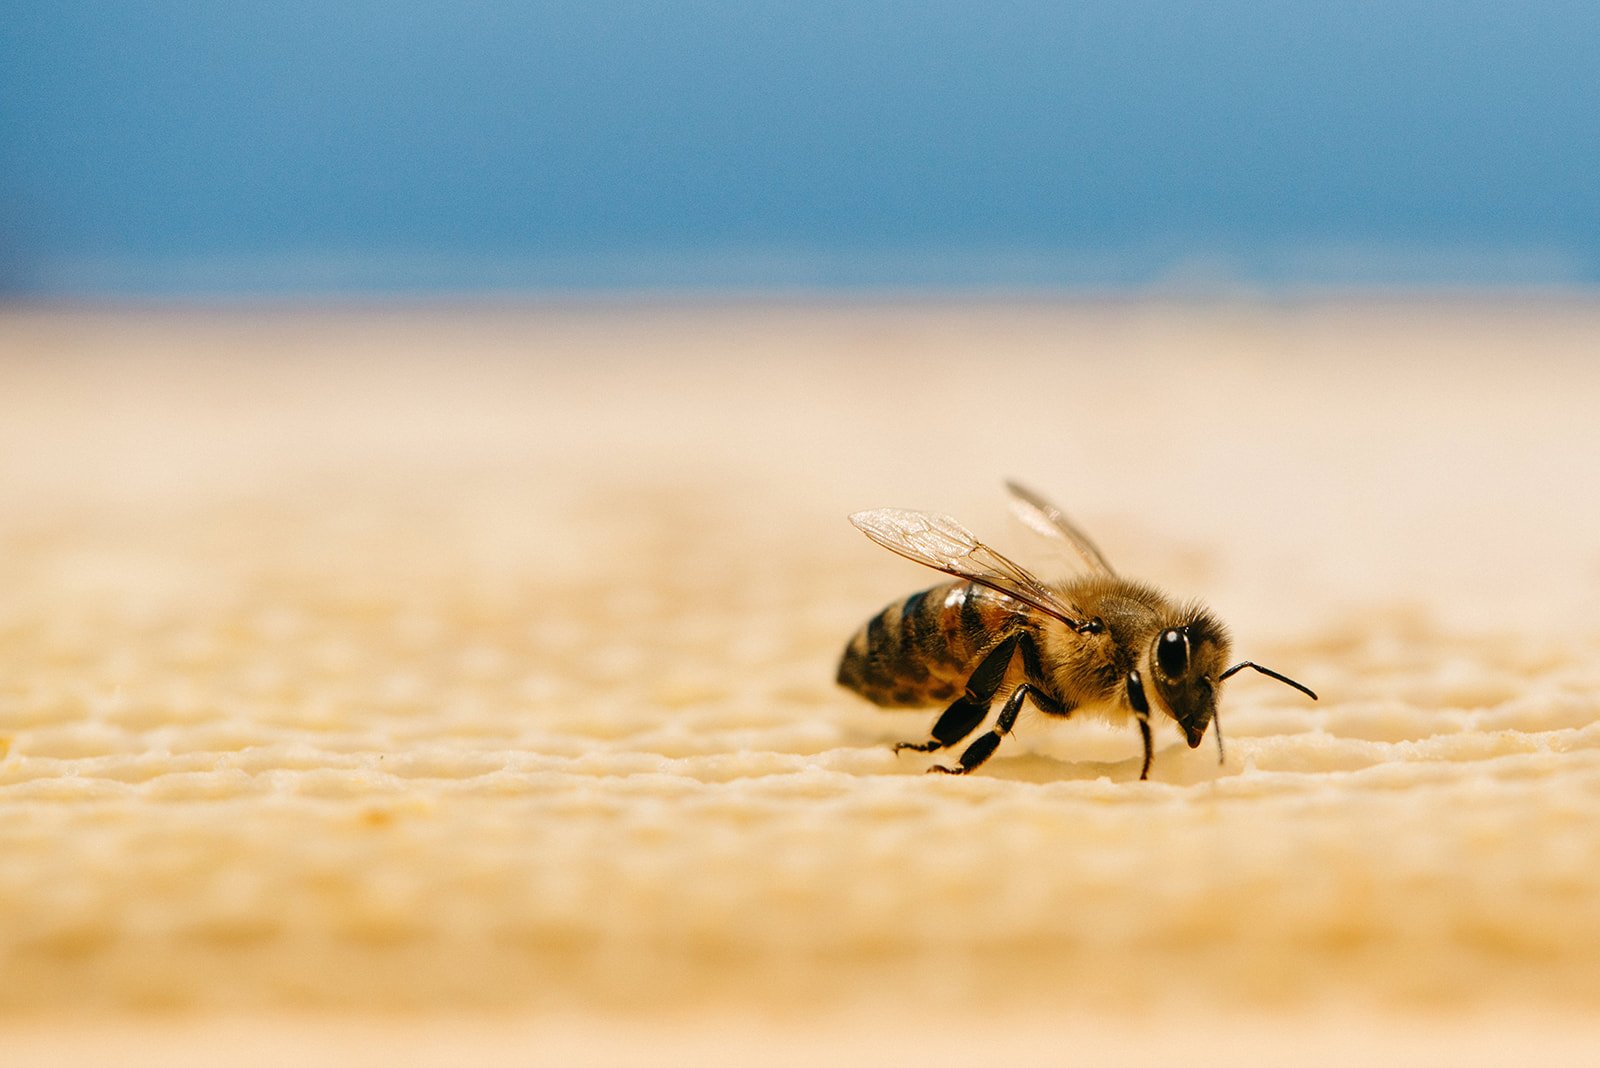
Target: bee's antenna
(1216, 725)
(1286, 680)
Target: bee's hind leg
(963, 717)
(984, 747)
(958, 721)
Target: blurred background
(159, 148)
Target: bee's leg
(963, 717)
(984, 747)
(1141, 710)
(958, 721)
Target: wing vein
(939, 542)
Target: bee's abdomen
(919, 651)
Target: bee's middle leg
(963, 717)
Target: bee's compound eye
(1172, 653)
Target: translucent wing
(1046, 519)
(945, 545)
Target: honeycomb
(479, 659)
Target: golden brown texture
(482, 659)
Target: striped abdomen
(919, 651)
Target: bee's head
(1187, 658)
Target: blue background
(295, 146)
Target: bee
(1096, 644)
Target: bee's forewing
(940, 542)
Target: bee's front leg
(1141, 711)
(963, 717)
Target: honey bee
(1096, 644)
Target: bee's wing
(1046, 519)
(945, 545)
